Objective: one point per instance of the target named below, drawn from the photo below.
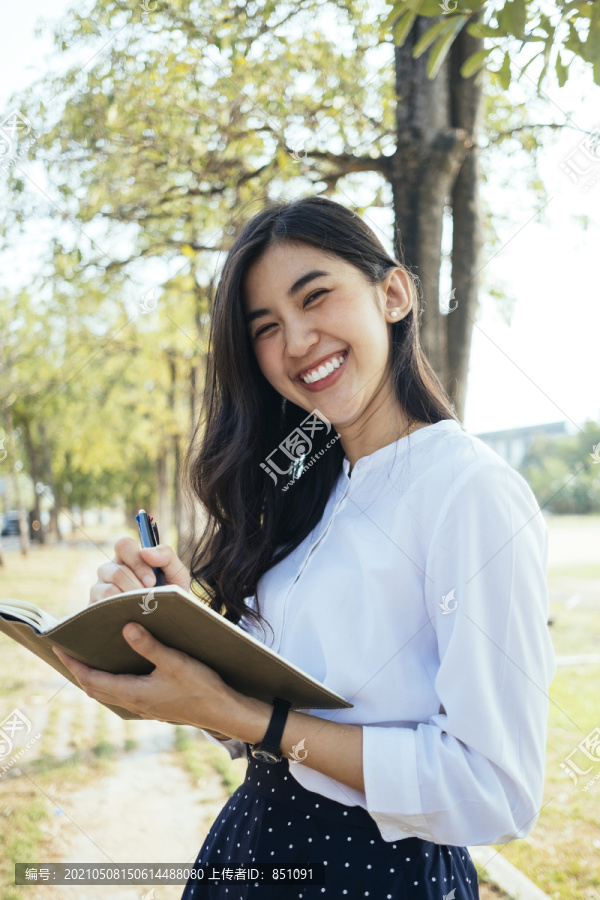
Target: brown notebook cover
(94, 636)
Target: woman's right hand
(131, 568)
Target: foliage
(169, 126)
(564, 473)
(570, 30)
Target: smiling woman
(304, 283)
(393, 556)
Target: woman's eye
(312, 296)
(262, 330)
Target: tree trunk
(54, 529)
(163, 486)
(34, 468)
(436, 124)
(14, 477)
(186, 504)
(467, 236)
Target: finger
(147, 646)
(97, 681)
(128, 553)
(76, 667)
(101, 590)
(164, 557)
(120, 576)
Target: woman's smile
(324, 374)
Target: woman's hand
(179, 689)
(131, 568)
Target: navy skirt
(272, 820)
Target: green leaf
(475, 29)
(430, 8)
(403, 27)
(474, 62)
(440, 50)
(562, 71)
(573, 42)
(427, 39)
(512, 18)
(517, 17)
(504, 72)
(591, 48)
(397, 10)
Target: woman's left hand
(180, 689)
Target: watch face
(265, 755)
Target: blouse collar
(383, 454)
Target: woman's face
(308, 312)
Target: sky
(541, 367)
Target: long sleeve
(235, 748)
(474, 772)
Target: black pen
(149, 538)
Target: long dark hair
(252, 523)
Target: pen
(149, 538)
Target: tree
(193, 113)
(439, 112)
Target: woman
(389, 553)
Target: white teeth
(324, 370)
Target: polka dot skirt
(273, 820)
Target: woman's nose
(299, 338)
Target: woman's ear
(398, 295)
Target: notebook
(93, 635)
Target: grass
(20, 834)
(582, 573)
(199, 756)
(575, 632)
(562, 853)
(28, 800)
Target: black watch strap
(269, 750)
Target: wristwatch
(268, 750)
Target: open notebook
(93, 635)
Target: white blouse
(421, 598)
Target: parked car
(10, 524)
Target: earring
(393, 313)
